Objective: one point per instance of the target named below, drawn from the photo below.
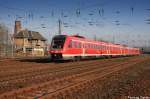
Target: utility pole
(95, 38)
(59, 25)
(113, 38)
(12, 44)
(7, 43)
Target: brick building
(29, 43)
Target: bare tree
(3, 39)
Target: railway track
(65, 80)
(10, 70)
(46, 75)
(62, 93)
(27, 70)
(26, 67)
(37, 70)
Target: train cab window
(70, 44)
(58, 42)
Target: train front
(56, 48)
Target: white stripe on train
(65, 55)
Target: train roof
(103, 42)
(78, 36)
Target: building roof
(33, 35)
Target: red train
(76, 47)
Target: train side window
(99, 47)
(92, 46)
(79, 45)
(106, 48)
(103, 47)
(75, 45)
(117, 49)
(89, 45)
(70, 44)
(95, 46)
(85, 45)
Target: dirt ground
(132, 83)
(129, 83)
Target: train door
(83, 49)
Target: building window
(28, 49)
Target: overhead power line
(12, 8)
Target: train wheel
(77, 58)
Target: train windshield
(58, 42)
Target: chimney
(17, 26)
